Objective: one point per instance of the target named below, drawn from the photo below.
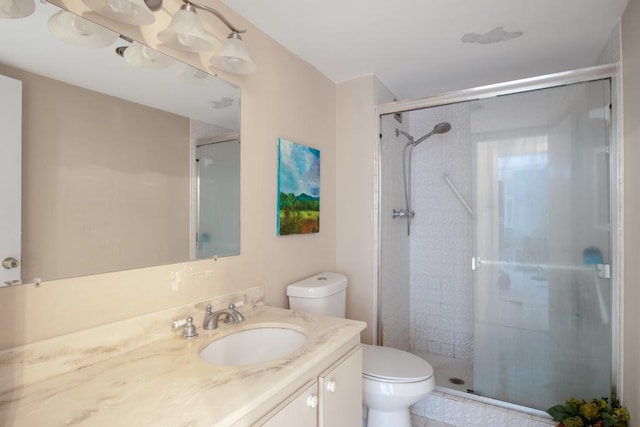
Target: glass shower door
(218, 203)
(542, 330)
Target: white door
(10, 177)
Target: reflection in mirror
(218, 190)
(108, 155)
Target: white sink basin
(252, 346)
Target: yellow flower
(602, 404)
(621, 414)
(589, 411)
(573, 422)
(576, 402)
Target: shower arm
(423, 138)
(442, 127)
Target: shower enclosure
(504, 283)
(218, 198)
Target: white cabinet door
(300, 410)
(10, 177)
(340, 389)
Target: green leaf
(608, 420)
(572, 409)
(559, 412)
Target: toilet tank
(324, 293)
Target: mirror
(110, 178)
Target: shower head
(443, 127)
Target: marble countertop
(166, 383)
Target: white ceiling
(415, 47)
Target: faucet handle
(209, 309)
(233, 307)
(189, 330)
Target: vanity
(140, 372)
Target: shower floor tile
(446, 369)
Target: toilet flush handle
(331, 386)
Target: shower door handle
(604, 271)
(476, 262)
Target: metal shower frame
(607, 71)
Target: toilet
(392, 379)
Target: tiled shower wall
(441, 236)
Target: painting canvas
(298, 188)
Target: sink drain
(456, 381)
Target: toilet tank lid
(318, 286)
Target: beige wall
(100, 192)
(356, 127)
(286, 97)
(631, 201)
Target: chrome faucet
(211, 318)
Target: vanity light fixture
(153, 5)
(78, 31)
(142, 56)
(13, 9)
(133, 12)
(187, 33)
(233, 57)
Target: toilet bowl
(392, 379)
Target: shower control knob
(9, 263)
(331, 386)
(401, 213)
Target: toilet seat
(393, 366)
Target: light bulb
(186, 39)
(81, 26)
(121, 7)
(150, 54)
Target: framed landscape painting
(298, 188)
